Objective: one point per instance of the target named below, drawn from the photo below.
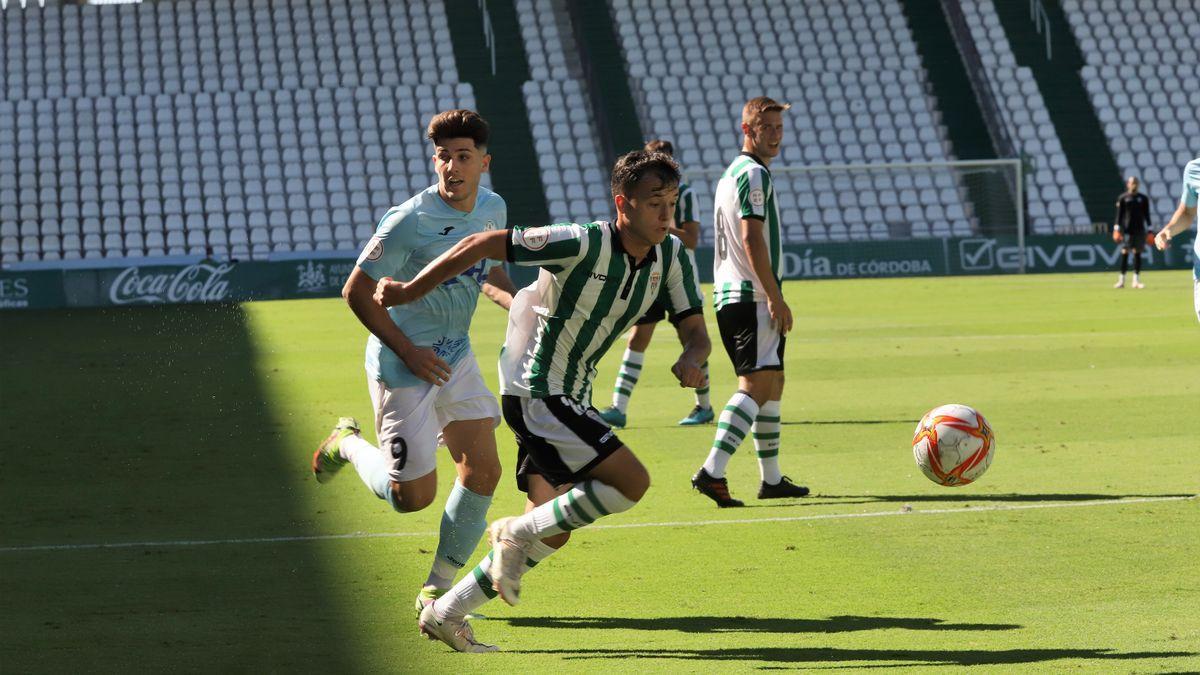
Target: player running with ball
(596, 280)
(421, 373)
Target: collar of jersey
(651, 256)
(754, 157)
(450, 210)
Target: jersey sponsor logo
(535, 238)
(757, 197)
(373, 251)
(598, 276)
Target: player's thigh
(467, 414)
(624, 471)
(407, 428)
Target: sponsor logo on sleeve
(535, 238)
(373, 251)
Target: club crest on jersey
(655, 276)
(535, 238)
(489, 225)
(373, 251)
(757, 197)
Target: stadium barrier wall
(322, 276)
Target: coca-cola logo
(195, 283)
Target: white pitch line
(680, 523)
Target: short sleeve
(681, 293)
(753, 186)
(1191, 183)
(689, 208)
(392, 246)
(560, 245)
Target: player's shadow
(846, 422)
(877, 658)
(1005, 498)
(743, 624)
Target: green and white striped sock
(627, 377)
(732, 427)
(702, 398)
(582, 505)
(766, 441)
(475, 589)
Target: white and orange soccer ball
(953, 445)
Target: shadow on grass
(743, 624)
(1008, 498)
(879, 658)
(845, 422)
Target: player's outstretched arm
(693, 335)
(1180, 221)
(448, 265)
(760, 260)
(421, 361)
(499, 287)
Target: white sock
(581, 505)
(766, 441)
(475, 589)
(627, 378)
(732, 427)
(373, 465)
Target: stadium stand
(1131, 51)
(214, 128)
(573, 174)
(853, 101)
(1053, 198)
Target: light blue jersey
(1191, 188)
(408, 238)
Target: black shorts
(749, 339)
(558, 438)
(655, 314)
(1133, 240)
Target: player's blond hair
(755, 107)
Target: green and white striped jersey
(744, 191)
(588, 293)
(687, 209)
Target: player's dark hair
(632, 167)
(659, 145)
(459, 124)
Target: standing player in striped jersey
(595, 281)
(752, 315)
(1182, 219)
(424, 382)
(687, 228)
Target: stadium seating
(1052, 193)
(1130, 52)
(854, 101)
(219, 127)
(572, 172)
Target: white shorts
(557, 438)
(1196, 296)
(409, 420)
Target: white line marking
(680, 523)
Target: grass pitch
(157, 512)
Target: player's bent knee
(407, 498)
(558, 540)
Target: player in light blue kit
(1183, 218)
(425, 385)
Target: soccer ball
(953, 445)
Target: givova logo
(983, 255)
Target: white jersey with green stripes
(588, 293)
(744, 191)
